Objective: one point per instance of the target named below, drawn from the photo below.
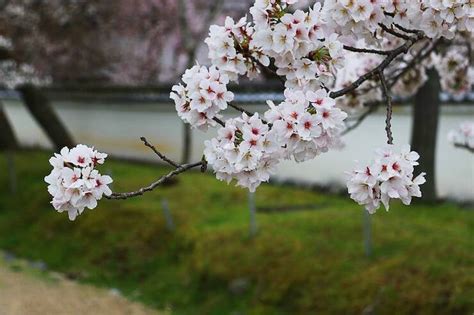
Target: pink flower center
(367, 171)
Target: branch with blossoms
(463, 136)
(178, 169)
(307, 50)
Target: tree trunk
(426, 110)
(188, 135)
(41, 109)
(187, 144)
(8, 140)
(8, 144)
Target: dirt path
(23, 293)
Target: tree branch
(406, 30)
(388, 99)
(160, 155)
(220, 122)
(240, 109)
(367, 51)
(384, 64)
(422, 55)
(465, 147)
(374, 105)
(181, 169)
(393, 32)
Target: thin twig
(393, 32)
(181, 169)
(240, 109)
(248, 113)
(219, 121)
(465, 147)
(388, 99)
(373, 106)
(422, 55)
(367, 51)
(384, 64)
(406, 30)
(160, 155)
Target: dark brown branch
(465, 147)
(178, 170)
(240, 109)
(220, 122)
(152, 186)
(394, 33)
(248, 113)
(367, 51)
(406, 30)
(388, 99)
(374, 105)
(422, 55)
(160, 155)
(384, 64)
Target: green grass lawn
(301, 262)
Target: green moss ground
(302, 262)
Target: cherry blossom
(297, 43)
(388, 176)
(463, 136)
(74, 182)
(361, 50)
(456, 74)
(245, 150)
(203, 95)
(306, 124)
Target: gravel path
(22, 293)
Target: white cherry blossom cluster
(203, 95)
(435, 17)
(389, 176)
(456, 74)
(306, 124)
(303, 53)
(355, 19)
(230, 50)
(74, 182)
(245, 150)
(463, 136)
